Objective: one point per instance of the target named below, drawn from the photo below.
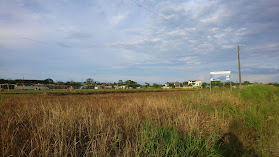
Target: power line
(153, 12)
(35, 40)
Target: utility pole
(239, 66)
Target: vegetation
(49, 81)
(89, 81)
(179, 123)
(155, 85)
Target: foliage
(120, 82)
(49, 81)
(204, 84)
(215, 83)
(274, 84)
(155, 85)
(131, 83)
(246, 83)
(89, 81)
(147, 84)
(73, 84)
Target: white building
(197, 84)
(167, 84)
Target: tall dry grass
(143, 124)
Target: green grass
(167, 141)
(241, 122)
(253, 113)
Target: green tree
(2, 81)
(215, 83)
(147, 84)
(155, 85)
(204, 84)
(120, 82)
(49, 81)
(246, 83)
(227, 84)
(89, 81)
(75, 85)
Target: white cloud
(114, 20)
(228, 46)
(117, 36)
(261, 78)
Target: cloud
(121, 38)
(64, 45)
(114, 20)
(79, 35)
(257, 70)
(261, 78)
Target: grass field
(92, 90)
(176, 123)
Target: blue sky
(109, 40)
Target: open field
(93, 91)
(178, 123)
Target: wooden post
(240, 86)
(231, 84)
(210, 86)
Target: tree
(49, 81)
(89, 81)
(59, 83)
(227, 84)
(2, 81)
(155, 85)
(204, 84)
(120, 82)
(185, 83)
(147, 84)
(131, 83)
(75, 85)
(172, 85)
(246, 83)
(215, 83)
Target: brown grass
(112, 124)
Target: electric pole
(238, 47)
(239, 66)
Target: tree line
(129, 83)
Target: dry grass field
(177, 123)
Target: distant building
(176, 84)
(107, 87)
(121, 87)
(167, 84)
(31, 87)
(86, 86)
(195, 84)
(99, 87)
(187, 86)
(164, 87)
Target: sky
(151, 41)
